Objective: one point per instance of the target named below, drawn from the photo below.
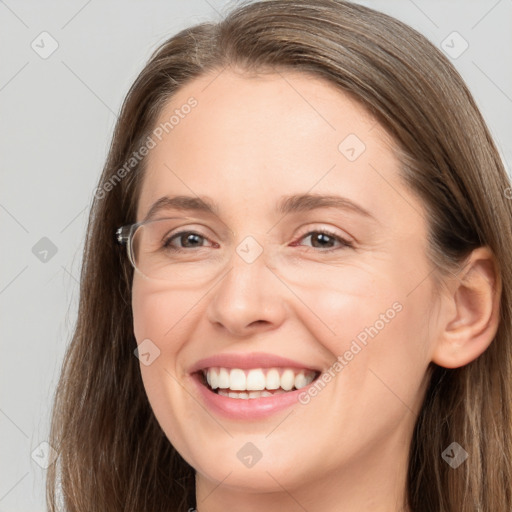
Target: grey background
(57, 117)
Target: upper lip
(247, 361)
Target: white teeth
(237, 380)
(223, 381)
(214, 380)
(246, 395)
(273, 379)
(301, 380)
(257, 382)
(287, 380)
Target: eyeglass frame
(124, 236)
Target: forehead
(251, 138)
(291, 105)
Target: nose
(249, 298)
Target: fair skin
(250, 141)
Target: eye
(324, 239)
(185, 239)
(319, 239)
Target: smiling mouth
(256, 382)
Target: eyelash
(342, 241)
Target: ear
(471, 311)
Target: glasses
(188, 250)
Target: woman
(305, 201)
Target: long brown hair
(113, 455)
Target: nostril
(257, 322)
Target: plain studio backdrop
(65, 69)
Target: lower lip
(248, 409)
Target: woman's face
(288, 297)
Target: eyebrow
(286, 205)
(183, 203)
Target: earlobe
(473, 305)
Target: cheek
(341, 313)
(160, 312)
(378, 331)
(155, 312)
(150, 312)
(383, 358)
